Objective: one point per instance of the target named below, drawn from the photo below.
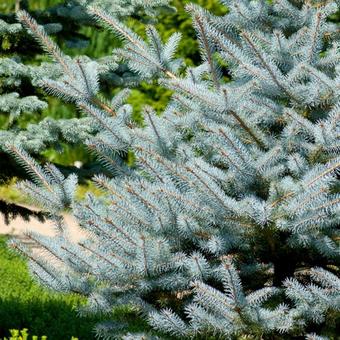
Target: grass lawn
(25, 304)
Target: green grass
(25, 304)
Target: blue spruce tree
(227, 225)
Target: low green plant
(23, 334)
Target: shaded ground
(25, 304)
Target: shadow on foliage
(10, 211)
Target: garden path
(18, 227)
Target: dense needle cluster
(21, 80)
(19, 77)
(228, 223)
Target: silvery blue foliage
(65, 76)
(12, 104)
(58, 191)
(227, 225)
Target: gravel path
(18, 227)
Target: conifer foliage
(228, 223)
(21, 78)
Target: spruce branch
(268, 67)
(244, 125)
(315, 37)
(126, 34)
(31, 165)
(206, 48)
(45, 41)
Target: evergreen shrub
(227, 224)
